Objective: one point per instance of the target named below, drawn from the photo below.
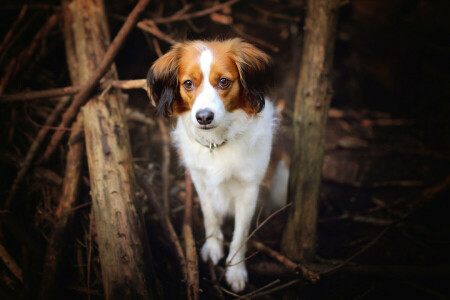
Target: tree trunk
(120, 233)
(310, 115)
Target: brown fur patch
(244, 65)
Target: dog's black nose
(204, 116)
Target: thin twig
(33, 150)
(229, 292)
(165, 164)
(104, 66)
(72, 90)
(14, 27)
(157, 47)
(26, 55)
(275, 14)
(151, 27)
(256, 40)
(265, 287)
(257, 228)
(8, 72)
(177, 17)
(306, 273)
(192, 282)
(280, 287)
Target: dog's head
(209, 80)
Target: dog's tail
(279, 183)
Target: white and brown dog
(224, 131)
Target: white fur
(228, 178)
(208, 97)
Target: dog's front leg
(213, 246)
(236, 273)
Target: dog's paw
(237, 277)
(212, 249)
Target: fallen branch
(105, 64)
(72, 90)
(192, 283)
(63, 213)
(10, 263)
(33, 150)
(306, 273)
(165, 164)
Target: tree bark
(121, 237)
(312, 102)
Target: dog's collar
(211, 146)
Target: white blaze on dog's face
(210, 80)
(208, 109)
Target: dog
(217, 90)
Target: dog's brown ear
(162, 80)
(255, 71)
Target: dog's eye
(224, 83)
(188, 85)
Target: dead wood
(165, 164)
(310, 115)
(31, 154)
(10, 263)
(67, 201)
(121, 238)
(99, 72)
(305, 272)
(72, 90)
(192, 283)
